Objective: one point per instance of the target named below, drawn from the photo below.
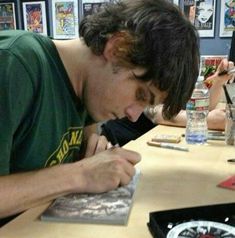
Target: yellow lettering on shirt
(70, 142)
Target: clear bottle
(197, 110)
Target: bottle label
(198, 104)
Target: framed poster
(227, 18)
(8, 15)
(176, 2)
(91, 6)
(205, 17)
(189, 10)
(65, 19)
(34, 16)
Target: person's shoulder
(11, 33)
(9, 37)
(15, 38)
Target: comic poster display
(205, 17)
(65, 19)
(34, 17)
(7, 16)
(92, 6)
(176, 2)
(227, 18)
(189, 9)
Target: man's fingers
(129, 155)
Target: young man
(129, 55)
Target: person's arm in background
(155, 115)
(215, 118)
(216, 82)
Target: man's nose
(133, 112)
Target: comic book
(112, 207)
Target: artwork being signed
(112, 207)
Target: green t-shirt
(41, 118)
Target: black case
(159, 221)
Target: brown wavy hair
(156, 36)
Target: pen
(214, 137)
(230, 71)
(167, 146)
(216, 133)
(231, 160)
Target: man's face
(109, 95)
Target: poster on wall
(7, 15)
(189, 10)
(34, 16)
(91, 6)
(65, 19)
(176, 2)
(227, 18)
(205, 17)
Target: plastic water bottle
(197, 110)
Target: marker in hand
(230, 71)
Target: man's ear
(116, 47)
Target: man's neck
(71, 52)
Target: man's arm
(21, 191)
(99, 173)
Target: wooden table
(170, 179)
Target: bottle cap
(200, 78)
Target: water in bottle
(197, 110)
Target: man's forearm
(21, 191)
(104, 171)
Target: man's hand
(105, 170)
(99, 173)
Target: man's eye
(141, 95)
